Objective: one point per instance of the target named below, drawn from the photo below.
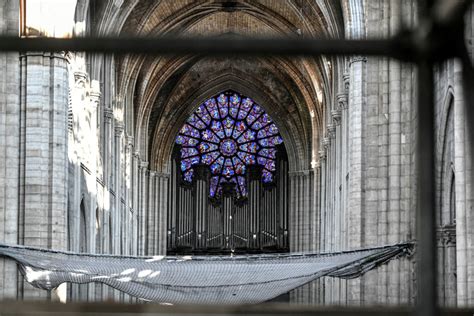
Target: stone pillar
(119, 208)
(43, 150)
(142, 207)
(356, 165)
(301, 203)
(162, 195)
(10, 121)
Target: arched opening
(229, 180)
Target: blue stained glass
(262, 121)
(218, 134)
(216, 167)
(210, 157)
(239, 166)
(188, 152)
(223, 106)
(209, 136)
(267, 176)
(196, 122)
(268, 152)
(216, 127)
(190, 131)
(267, 131)
(207, 147)
(244, 108)
(188, 162)
(272, 141)
(203, 114)
(248, 159)
(249, 147)
(212, 108)
(247, 136)
(234, 105)
(213, 186)
(228, 170)
(188, 175)
(186, 141)
(240, 127)
(228, 126)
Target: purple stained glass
(228, 170)
(216, 127)
(203, 114)
(188, 175)
(223, 106)
(210, 136)
(272, 141)
(246, 137)
(213, 186)
(186, 141)
(267, 176)
(267, 131)
(216, 167)
(188, 152)
(210, 157)
(248, 159)
(228, 126)
(228, 147)
(268, 152)
(240, 127)
(205, 147)
(229, 132)
(196, 122)
(190, 131)
(249, 147)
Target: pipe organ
(228, 223)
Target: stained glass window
(229, 132)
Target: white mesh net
(197, 279)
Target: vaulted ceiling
(164, 90)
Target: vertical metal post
(426, 234)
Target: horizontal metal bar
(208, 46)
(55, 308)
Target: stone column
(43, 150)
(10, 122)
(356, 165)
(119, 208)
(142, 207)
(162, 195)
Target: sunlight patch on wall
(48, 18)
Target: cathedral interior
(215, 152)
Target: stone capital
(108, 114)
(331, 130)
(357, 59)
(326, 142)
(336, 116)
(119, 128)
(342, 100)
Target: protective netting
(197, 279)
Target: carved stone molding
(346, 77)
(326, 142)
(336, 116)
(108, 113)
(342, 100)
(446, 235)
(357, 58)
(119, 128)
(331, 129)
(80, 78)
(322, 155)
